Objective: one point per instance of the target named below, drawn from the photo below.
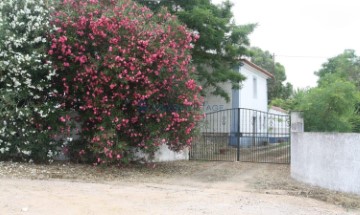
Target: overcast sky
(302, 34)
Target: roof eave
(251, 64)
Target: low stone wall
(328, 160)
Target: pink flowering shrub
(126, 71)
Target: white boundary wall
(164, 154)
(328, 160)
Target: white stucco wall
(221, 122)
(278, 122)
(274, 111)
(214, 103)
(164, 154)
(247, 97)
(328, 160)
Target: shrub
(26, 109)
(127, 72)
(330, 106)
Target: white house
(277, 110)
(252, 95)
(278, 124)
(225, 118)
(247, 111)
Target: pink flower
(82, 59)
(187, 103)
(81, 33)
(118, 59)
(66, 64)
(112, 86)
(190, 84)
(113, 40)
(196, 36)
(62, 39)
(188, 130)
(62, 119)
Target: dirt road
(175, 188)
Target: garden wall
(164, 154)
(328, 160)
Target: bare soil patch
(185, 187)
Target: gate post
(297, 122)
(297, 126)
(238, 135)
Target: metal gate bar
(243, 135)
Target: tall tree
(221, 42)
(277, 89)
(334, 104)
(345, 65)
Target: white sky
(313, 30)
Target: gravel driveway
(168, 188)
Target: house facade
(278, 124)
(246, 112)
(252, 95)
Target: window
(254, 87)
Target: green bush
(27, 112)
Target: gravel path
(169, 188)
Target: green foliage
(355, 122)
(277, 89)
(333, 105)
(293, 102)
(345, 66)
(286, 104)
(27, 113)
(221, 42)
(330, 107)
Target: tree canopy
(345, 66)
(277, 89)
(330, 107)
(333, 105)
(221, 42)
